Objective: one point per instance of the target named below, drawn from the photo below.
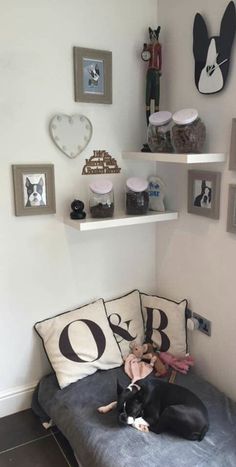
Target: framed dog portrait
(92, 75)
(34, 189)
(231, 218)
(204, 193)
(232, 151)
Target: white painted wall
(197, 258)
(46, 267)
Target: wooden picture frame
(92, 75)
(34, 189)
(231, 217)
(232, 151)
(204, 193)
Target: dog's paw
(143, 428)
(102, 409)
(141, 425)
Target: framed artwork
(232, 151)
(92, 75)
(204, 193)
(231, 218)
(34, 189)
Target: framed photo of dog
(92, 75)
(34, 189)
(204, 193)
(231, 218)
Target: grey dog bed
(99, 441)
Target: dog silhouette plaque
(212, 54)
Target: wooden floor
(25, 443)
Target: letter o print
(67, 349)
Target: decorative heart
(71, 133)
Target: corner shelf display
(121, 220)
(175, 158)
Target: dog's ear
(200, 45)
(228, 27)
(27, 182)
(41, 182)
(200, 38)
(120, 389)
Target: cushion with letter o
(165, 323)
(79, 342)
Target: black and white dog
(34, 193)
(159, 406)
(204, 199)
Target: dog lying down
(158, 406)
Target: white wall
(197, 258)
(46, 267)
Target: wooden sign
(100, 163)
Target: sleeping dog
(159, 406)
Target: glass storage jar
(101, 199)
(137, 197)
(188, 132)
(159, 132)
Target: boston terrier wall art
(35, 192)
(212, 54)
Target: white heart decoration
(71, 133)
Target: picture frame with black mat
(204, 193)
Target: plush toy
(179, 364)
(142, 361)
(150, 354)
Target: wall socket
(204, 324)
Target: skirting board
(16, 399)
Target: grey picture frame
(231, 215)
(207, 202)
(33, 174)
(232, 150)
(90, 85)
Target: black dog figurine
(159, 406)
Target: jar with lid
(159, 132)
(101, 199)
(188, 132)
(137, 197)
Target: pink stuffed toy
(179, 364)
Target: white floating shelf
(175, 158)
(121, 220)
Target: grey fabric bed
(98, 440)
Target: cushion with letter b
(79, 342)
(165, 324)
(126, 320)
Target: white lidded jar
(137, 198)
(188, 131)
(101, 198)
(159, 132)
